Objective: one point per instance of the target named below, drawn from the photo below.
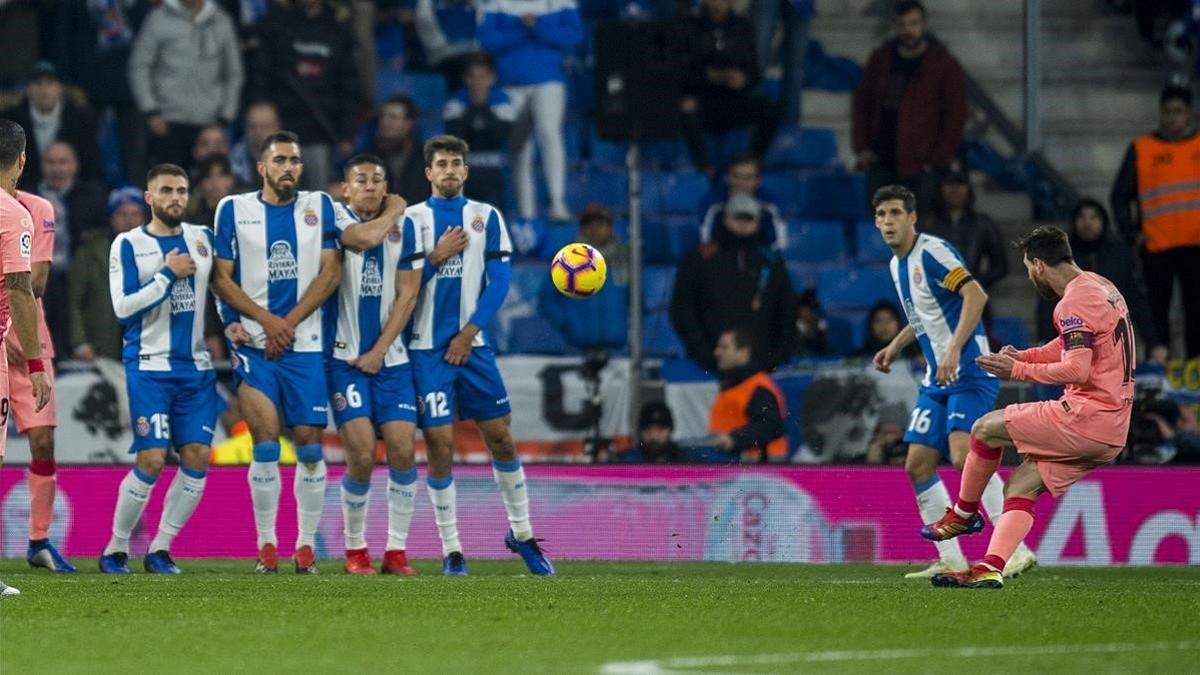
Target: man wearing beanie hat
(654, 443)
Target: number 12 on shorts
(919, 421)
(435, 404)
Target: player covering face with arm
(158, 279)
(370, 377)
(277, 263)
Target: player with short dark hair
(943, 304)
(158, 278)
(453, 363)
(277, 263)
(370, 377)
(1060, 441)
(17, 302)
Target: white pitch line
(688, 664)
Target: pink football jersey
(16, 246)
(42, 213)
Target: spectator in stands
(48, 116)
(482, 115)
(1156, 189)
(91, 42)
(976, 237)
(305, 64)
(78, 207)
(212, 181)
(96, 334)
(811, 326)
(1097, 249)
(793, 16)
(447, 31)
(396, 143)
(734, 281)
(887, 445)
(529, 39)
(261, 120)
(602, 321)
(186, 73)
(744, 177)
(656, 425)
(748, 414)
(210, 141)
(909, 110)
(720, 72)
(883, 325)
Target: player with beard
(1060, 441)
(17, 303)
(158, 278)
(277, 262)
(453, 363)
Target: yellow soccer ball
(578, 270)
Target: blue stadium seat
(869, 246)
(653, 187)
(658, 282)
(1011, 330)
(802, 276)
(683, 235)
(847, 330)
(556, 237)
(836, 195)
(430, 125)
(854, 287)
(573, 138)
(796, 148)
(789, 189)
(606, 187)
(527, 279)
(655, 245)
(815, 241)
(658, 337)
(606, 153)
(662, 154)
(534, 335)
(427, 91)
(682, 191)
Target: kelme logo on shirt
(281, 266)
(372, 282)
(183, 298)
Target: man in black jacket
(719, 75)
(734, 281)
(48, 116)
(304, 63)
(396, 143)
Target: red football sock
(981, 463)
(1011, 528)
(42, 484)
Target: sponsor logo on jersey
(183, 298)
(913, 318)
(372, 281)
(1070, 323)
(143, 426)
(339, 402)
(477, 223)
(47, 225)
(26, 244)
(310, 217)
(281, 265)
(452, 268)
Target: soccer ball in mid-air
(578, 270)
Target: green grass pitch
(598, 618)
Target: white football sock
(131, 501)
(356, 499)
(264, 492)
(182, 498)
(933, 502)
(444, 514)
(510, 476)
(402, 495)
(309, 488)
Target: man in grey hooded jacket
(186, 73)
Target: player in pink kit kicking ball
(1060, 440)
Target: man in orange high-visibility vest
(1158, 188)
(749, 412)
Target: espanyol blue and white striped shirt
(163, 315)
(276, 252)
(364, 299)
(455, 295)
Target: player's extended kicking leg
(402, 493)
(510, 477)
